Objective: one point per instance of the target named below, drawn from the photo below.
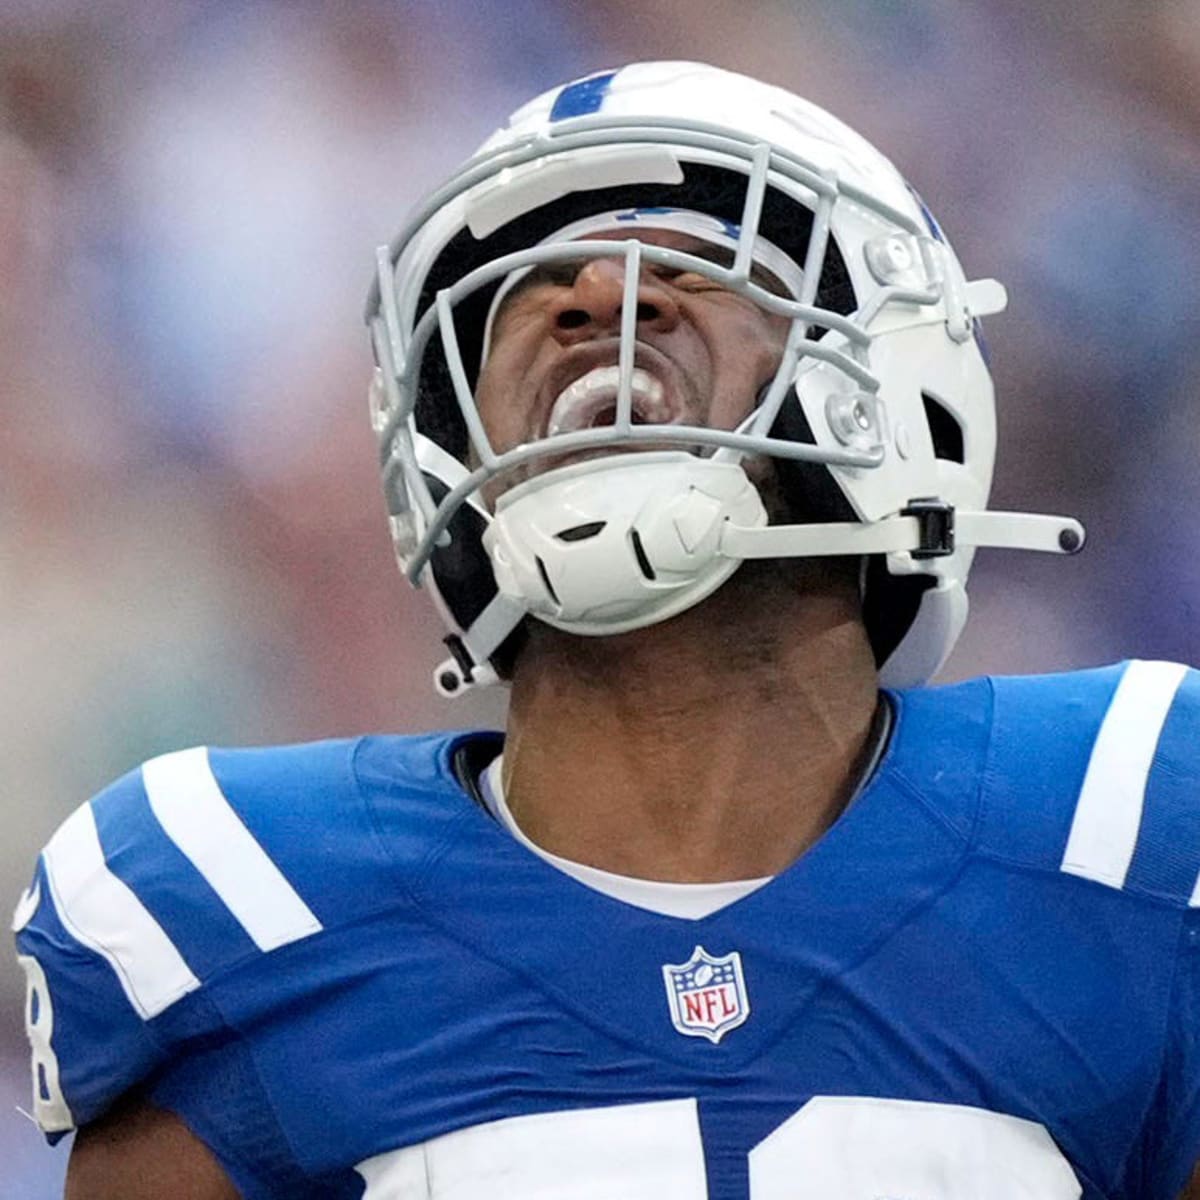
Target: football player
(685, 420)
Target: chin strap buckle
(935, 527)
(458, 671)
(469, 664)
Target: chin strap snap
(468, 665)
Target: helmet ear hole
(944, 429)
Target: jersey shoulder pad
(199, 863)
(1094, 773)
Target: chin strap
(925, 529)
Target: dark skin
(137, 1152)
(664, 724)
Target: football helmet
(879, 417)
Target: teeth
(581, 402)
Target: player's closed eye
(564, 274)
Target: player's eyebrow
(723, 256)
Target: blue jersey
(351, 982)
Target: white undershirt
(688, 900)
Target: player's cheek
(506, 393)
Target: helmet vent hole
(944, 429)
(546, 581)
(640, 552)
(580, 533)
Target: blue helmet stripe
(582, 97)
(930, 219)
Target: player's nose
(592, 305)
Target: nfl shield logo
(707, 995)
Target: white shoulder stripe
(1108, 813)
(100, 911)
(188, 802)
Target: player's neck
(718, 745)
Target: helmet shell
(889, 296)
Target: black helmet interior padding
(464, 578)
(889, 605)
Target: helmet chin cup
(619, 542)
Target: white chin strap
(624, 541)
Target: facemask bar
(400, 358)
(493, 463)
(399, 459)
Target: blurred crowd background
(192, 546)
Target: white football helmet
(879, 418)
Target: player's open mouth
(591, 401)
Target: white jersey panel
(632, 1151)
(867, 1146)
